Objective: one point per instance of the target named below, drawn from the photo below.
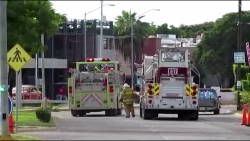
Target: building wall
(150, 48)
(108, 49)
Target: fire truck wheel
(112, 112)
(119, 112)
(140, 111)
(194, 115)
(74, 113)
(217, 112)
(146, 115)
(82, 113)
(181, 116)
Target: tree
(27, 20)
(191, 31)
(162, 29)
(123, 31)
(215, 51)
(152, 28)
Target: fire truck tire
(82, 113)
(146, 115)
(181, 116)
(112, 112)
(217, 112)
(194, 115)
(74, 113)
(140, 112)
(119, 112)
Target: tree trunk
(11, 81)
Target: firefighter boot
(133, 115)
(127, 116)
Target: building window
(105, 43)
(118, 67)
(110, 43)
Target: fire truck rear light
(150, 86)
(90, 59)
(111, 89)
(194, 93)
(194, 87)
(150, 101)
(105, 59)
(194, 102)
(150, 92)
(70, 89)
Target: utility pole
(239, 49)
(132, 51)
(44, 101)
(101, 30)
(3, 71)
(85, 37)
(36, 70)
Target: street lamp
(85, 28)
(132, 45)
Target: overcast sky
(171, 12)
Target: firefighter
(96, 69)
(127, 97)
(106, 68)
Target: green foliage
(27, 20)
(191, 31)
(245, 85)
(244, 71)
(245, 97)
(53, 108)
(122, 29)
(215, 51)
(44, 115)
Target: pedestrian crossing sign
(17, 57)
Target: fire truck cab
(94, 86)
(167, 85)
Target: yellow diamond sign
(17, 57)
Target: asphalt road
(167, 127)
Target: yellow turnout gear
(127, 96)
(97, 69)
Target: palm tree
(122, 30)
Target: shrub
(245, 97)
(43, 115)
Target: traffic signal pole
(3, 73)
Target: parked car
(29, 92)
(209, 101)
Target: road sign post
(3, 73)
(17, 58)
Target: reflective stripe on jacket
(97, 69)
(127, 95)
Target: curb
(60, 109)
(237, 115)
(35, 129)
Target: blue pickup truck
(209, 101)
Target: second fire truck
(94, 86)
(167, 85)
